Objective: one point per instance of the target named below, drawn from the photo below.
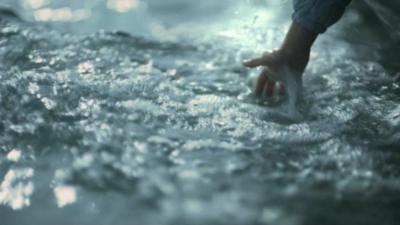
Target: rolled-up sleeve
(318, 15)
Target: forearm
(310, 18)
(297, 46)
(287, 64)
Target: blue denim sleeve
(318, 15)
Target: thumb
(251, 63)
(265, 60)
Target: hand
(285, 70)
(279, 68)
(286, 64)
(267, 80)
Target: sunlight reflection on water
(35, 4)
(65, 195)
(61, 14)
(16, 188)
(123, 6)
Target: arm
(310, 18)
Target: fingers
(268, 86)
(264, 83)
(264, 60)
(261, 82)
(269, 89)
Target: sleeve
(318, 15)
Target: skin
(293, 55)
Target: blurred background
(135, 16)
(175, 19)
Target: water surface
(152, 120)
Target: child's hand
(276, 65)
(288, 62)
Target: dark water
(158, 124)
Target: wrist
(295, 58)
(295, 50)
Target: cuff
(318, 15)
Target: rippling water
(157, 124)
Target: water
(158, 125)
